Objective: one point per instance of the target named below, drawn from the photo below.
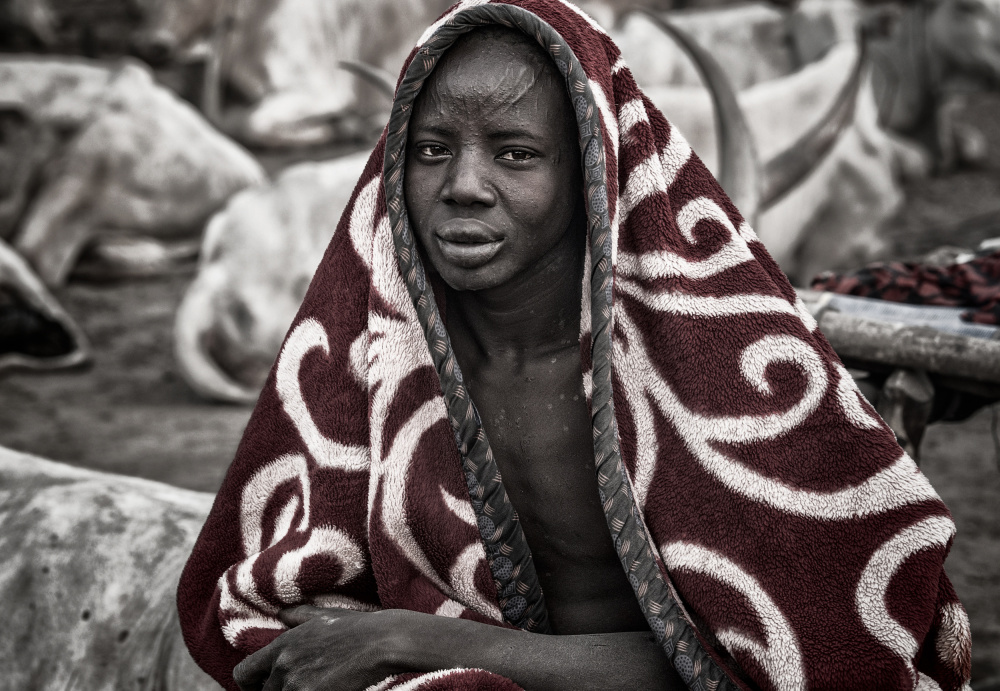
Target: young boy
(570, 368)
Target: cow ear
(35, 331)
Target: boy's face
(492, 174)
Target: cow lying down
(129, 159)
(281, 57)
(35, 331)
(88, 578)
(257, 259)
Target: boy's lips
(468, 243)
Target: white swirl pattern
(257, 494)
(631, 114)
(897, 485)
(850, 402)
(667, 264)
(873, 585)
(360, 224)
(306, 336)
(325, 539)
(780, 656)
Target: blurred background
(172, 170)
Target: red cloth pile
(974, 284)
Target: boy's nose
(468, 181)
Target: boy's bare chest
(538, 424)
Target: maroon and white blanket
(773, 531)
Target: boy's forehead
(498, 71)
(496, 40)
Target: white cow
(258, 257)
(749, 42)
(282, 58)
(88, 578)
(139, 161)
(829, 219)
(934, 52)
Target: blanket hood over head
(775, 534)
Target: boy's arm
(334, 648)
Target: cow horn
(375, 76)
(191, 326)
(796, 162)
(212, 78)
(739, 166)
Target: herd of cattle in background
(130, 166)
(826, 108)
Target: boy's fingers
(251, 674)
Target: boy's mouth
(468, 243)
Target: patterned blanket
(773, 531)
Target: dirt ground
(130, 412)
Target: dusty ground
(130, 412)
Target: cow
(257, 258)
(131, 160)
(35, 331)
(831, 217)
(749, 41)
(89, 576)
(926, 55)
(282, 59)
(933, 54)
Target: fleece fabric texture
(775, 534)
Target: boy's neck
(532, 315)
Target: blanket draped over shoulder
(775, 534)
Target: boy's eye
(432, 150)
(517, 155)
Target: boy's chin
(482, 278)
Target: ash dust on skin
(130, 412)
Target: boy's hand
(325, 648)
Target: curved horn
(218, 48)
(739, 167)
(191, 325)
(15, 272)
(797, 162)
(375, 76)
